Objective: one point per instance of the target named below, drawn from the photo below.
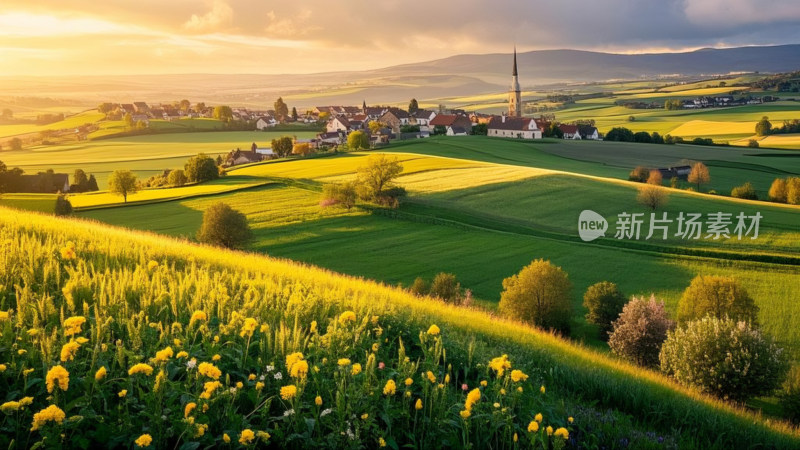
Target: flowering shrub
(640, 330)
(725, 358)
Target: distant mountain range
(456, 76)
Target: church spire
(514, 73)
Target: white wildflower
(288, 412)
(270, 368)
(191, 364)
(325, 412)
(278, 376)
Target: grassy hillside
(139, 293)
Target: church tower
(514, 95)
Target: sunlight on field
(74, 121)
(454, 179)
(708, 128)
(787, 141)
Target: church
(512, 124)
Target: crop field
(219, 345)
(72, 121)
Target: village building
(41, 183)
(514, 94)
(513, 127)
(338, 123)
(265, 122)
(569, 131)
(451, 120)
(394, 118)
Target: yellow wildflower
(484, 383)
(356, 369)
(226, 438)
(409, 381)
(263, 435)
(248, 327)
(247, 436)
(570, 419)
(67, 253)
(160, 379)
(431, 377)
(259, 386)
(364, 416)
(502, 391)
(122, 393)
(209, 370)
(313, 328)
(57, 374)
(562, 432)
(4, 315)
(533, 427)
(500, 364)
(251, 377)
(25, 372)
(25, 401)
(152, 265)
(50, 414)
(538, 417)
(299, 370)
(343, 362)
(549, 430)
(434, 330)
(182, 354)
(447, 378)
(381, 442)
(208, 388)
(516, 438)
(541, 389)
(288, 392)
(81, 340)
(73, 325)
(465, 414)
(164, 355)
(9, 407)
(144, 440)
(347, 316)
(389, 388)
(473, 397)
(418, 405)
(189, 408)
(146, 369)
(68, 351)
(198, 316)
(318, 401)
(518, 375)
(375, 347)
(101, 373)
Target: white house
(337, 123)
(265, 122)
(570, 131)
(457, 131)
(589, 133)
(513, 127)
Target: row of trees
(785, 190)
(714, 345)
(197, 169)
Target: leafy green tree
(281, 109)
(374, 126)
(201, 168)
(223, 113)
(223, 226)
(673, 104)
(656, 138)
(80, 180)
(439, 130)
(640, 330)
(446, 287)
(621, 134)
(185, 105)
(376, 176)
(343, 195)
(420, 287)
(124, 183)
(540, 295)
(7, 114)
(282, 146)
(92, 184)
(177, 178)
(294, 113)
(480, 129)
(699, 174)
(643, 137)
(358, 140)
(725, 358)
(105, 108)
(413, 106)
(655, 178)
(716, 296)
(763, 127)
(604, 301)
(753, 143)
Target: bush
(63, 206)
(725, 358)
(716, 296)
(640, 330)
(790, 397)
(201, 168)
(777, 191)
(619, 134)
(540, 295)
(604, 302)
(793, 191)
(655, 178)
(745, 191)
(420, 287)
(752, 143)
(374, 181)
(643, 137)
(446, 287)
(357, 140)
(343, 195)
(224, 226)
(639, 174)
(652, 197)
(177, 178)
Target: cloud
(220, 16)
(732, 13)
(292, 27)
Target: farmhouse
(338, 123)
(43, 183)
(332, 138)
(680, 172)
(588, 132)
(422, 118)
(265, 122)
(394, 118)
(457, 131)
(570, 131)
(451, 120)
(514, 127)
(237, 157)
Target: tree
(604, 301)
(643, 137)
(63, 206)
(413, 106)
(224, 226)
(16, 144)
(540, 295)
(281, 109)
(128, 119)
(673, 104)
(699, 174)
(753, 143)
(439, 130)
(177, 178)
(793, 191)
(656, 138)
(92, 184)
(745, 191)
(124, 183)
(763, 127)
(621, 134)
(294, 113)
(655, 178)
(80, 180)
(653, 197)
(185, 105)
(223, 113)
(777, 191)
(790, 397)
(201, 168)
(358, 140)
(282, 146)
(480, 129)
(420, 287)
(640, 330)
(343, 195)
(301, 148)
(376, 176)
(639, 174)
(725, 358)
(554, 131)
(716, 296)
(446, 287)
(105, 108)
(200, 107)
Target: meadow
(124, 338)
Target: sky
(124, 37)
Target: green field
(464, 230)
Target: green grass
(30, 202)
